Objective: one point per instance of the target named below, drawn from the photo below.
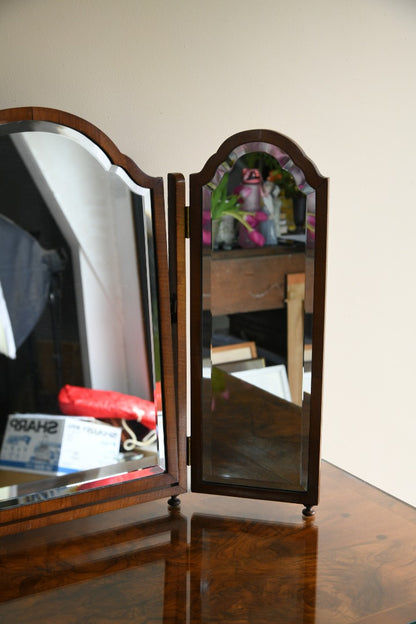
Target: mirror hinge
(187, 233)
(173, 308)
(188, 450)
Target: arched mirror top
(40, 119)
(288, 153)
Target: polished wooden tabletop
(221, 560)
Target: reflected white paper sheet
(7, 344)
(272, 379)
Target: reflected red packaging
(105, 404)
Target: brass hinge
(187, 227)
(188, 450)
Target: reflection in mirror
(79, 318)
(253, 208)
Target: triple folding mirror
(94, 347)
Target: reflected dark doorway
(50, 356)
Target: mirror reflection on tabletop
(221, 560)
(149, 572)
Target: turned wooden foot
(174, 502)
(307, 512)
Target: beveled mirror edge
(158, 484)
(319, 183)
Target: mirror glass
(258, 245)
(80, 384)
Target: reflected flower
(257, 238)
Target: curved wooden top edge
(92, 132)
(310, 170)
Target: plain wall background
(169, 80)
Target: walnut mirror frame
(138, 483)
(246, 441)
(214, 466)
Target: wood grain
(243, 281)
(246, 562)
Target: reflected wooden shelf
(249, 280)
(253, 280)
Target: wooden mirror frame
(157, 483)
(319, 184)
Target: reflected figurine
(251, 194)
(271, 206)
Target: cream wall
(169, 80)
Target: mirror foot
(174, 502)
(307, 512)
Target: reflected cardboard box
(57, 445)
